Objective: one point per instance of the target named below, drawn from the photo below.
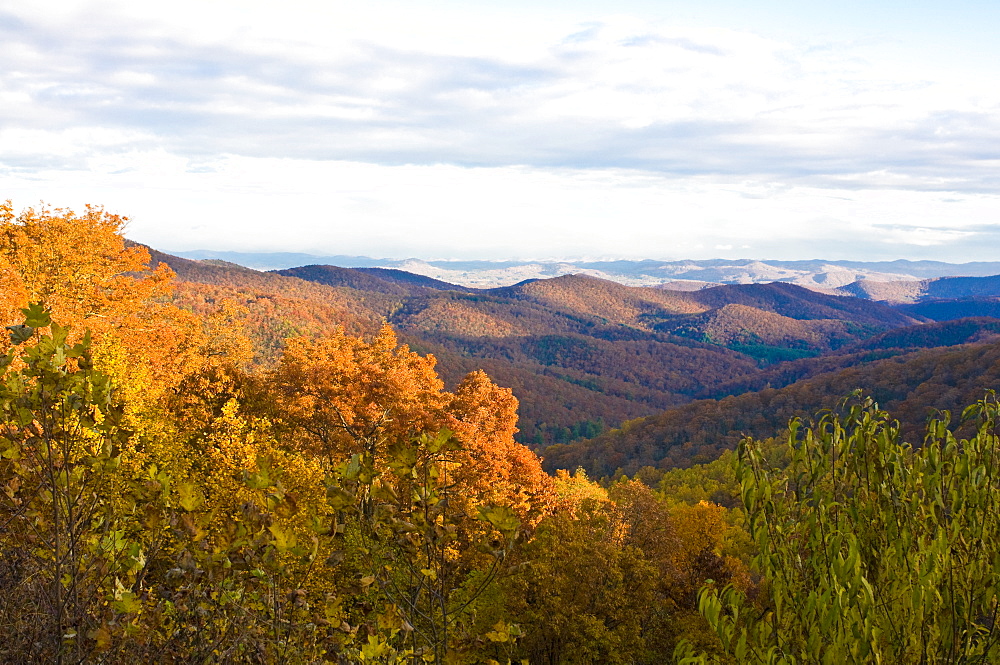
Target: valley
(308, 461)
(613, 378)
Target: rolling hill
(940, 288)
(910, 385)
(811, 273)
(381, 280)
(584, 354)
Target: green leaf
(500, 633)
(128, 603)
(501, 517)
(36, 316)
(20, 334)
(190, 496)
(353, 469)
(339, 498)
(260, 480)
(441, 441)
(401, 458)
(283, 540)
(10, 450)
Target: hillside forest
(205, 463)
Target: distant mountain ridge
(905, 292)
(583, 353)
(817, 274)
(382, 280)
(580, 352)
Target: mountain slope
(601, 299)
(908, 292)
(581, 353)
(797, 302)
(908, 385)
(273, 307)
(734, 325)
(892, 343)
(380, 280)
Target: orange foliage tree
(496, 469)
(341, 394)
(82, 270)
(78, 266)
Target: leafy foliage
(872, 551)
(248, 467)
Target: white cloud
(505, 212)
(392, 129)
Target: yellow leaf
(190, 496)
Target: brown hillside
(556, 404)
(908, 385)
(464, 311)
(644, 364)
(379, 280)
(603, 299)
(797, 302)
(272, 307)
(445, 316)
(741, 324)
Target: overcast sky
(584, 128)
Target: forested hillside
(912, 385)
(582, 353)
(176, 488)
(208, 464)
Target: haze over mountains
(816, 274)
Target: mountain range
(685, 274)
(634, 366)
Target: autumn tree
(579, 596)
(62, 545)
(338, 395)
(83, 271)
(77, 266)
(496, 469)
(412, 536)
(343, 395)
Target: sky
(543, 129)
